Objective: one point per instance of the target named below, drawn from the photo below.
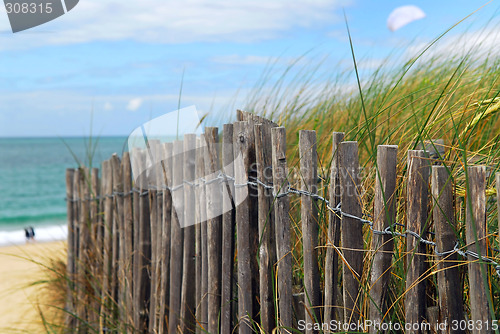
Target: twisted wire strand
(287, 190)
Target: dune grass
(404, 102)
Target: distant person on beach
(31, 233)
(28, 234)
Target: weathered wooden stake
(417, 202)
(188, 275)
(177, 235)
(351, 229)
(127, 239)
(247, 232)
(144, 250)
(283, 245)
(70, 266)
(201, 205)
(384, 216)
(214, 228)
(94, 247)
(476, 233)
(153, 146)
(332, 259)
(309, 218)
(443, 212)
(228, 222)
(267, 250)
(166, 236)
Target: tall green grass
(406, 101)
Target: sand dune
(18, 311)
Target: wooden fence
(133, 268)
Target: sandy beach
(18, 269)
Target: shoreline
(20, 267)
(43, 234)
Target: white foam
(42, 234)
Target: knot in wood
(242, 138)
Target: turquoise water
(32, 177)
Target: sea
(32, 182)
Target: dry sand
(18, 311)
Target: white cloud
(108, 106)
(160, 21)
(134, 104)
(242, 60)
(479, 45)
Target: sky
(108, 66)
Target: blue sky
(124, 59)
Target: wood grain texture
(214, 228)
(267, 249)
(309, 218)
(143, 251)
(332, 259)
(246, 233)
(70, 265)
(116, 267)
(188, 267)
(202, 313)
(443, 214)
(128, 221)
(283, 245)
(351, 229)
(176, 251)
(166, 236)
(384, 216)
(152, 147)
(476, 233)
(416, 217)
(228, 229)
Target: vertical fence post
(84, 244)
(159, 240)
(352, 233)
(309, 218)
(214, 228)
(153, 198)
(94, 248)
(77, 193)
(476, 239)
(127, 237)
(283, 245)
(384, 216)
(443, 212)
(107, 180)
(176, 249)
(201, 206)
(116, 267)
(188, 268)
(166, 235)
(247, 233)
(267, 249)
(136, 199)
(144, 248)
(332, 258)
(70, 266)
(228, 221)
(417, 202)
